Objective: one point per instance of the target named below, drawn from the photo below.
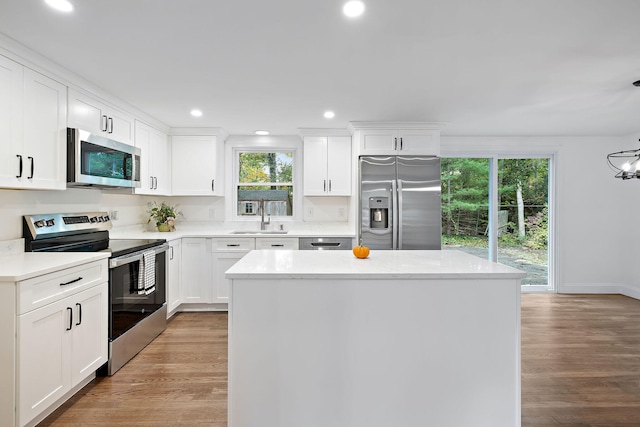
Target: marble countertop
(23, 266)
(226, 230)
(381, 264)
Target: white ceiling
(490, 67)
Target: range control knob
(106, 218)
(93, 219)
(40, 223)
(51, 222)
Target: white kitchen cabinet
(327, 166)
(33, 118)
(92, 115)
(399, 142)
(155, 172)
(55, 336)
(226, 252)
(196, 273)
(277, 243)
(174, 280)
(197, 165)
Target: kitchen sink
(259, 232)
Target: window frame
(269, 144)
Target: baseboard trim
(601, 288)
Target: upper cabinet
(155, 170)
(197, 165)
(33, 116)
(89, 114)
(327, 166)
(397, 138)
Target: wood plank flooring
(580, 368)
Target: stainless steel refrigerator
(400, 202)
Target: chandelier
(626, 164)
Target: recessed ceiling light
(61, 5)
(261, 132)
(329, 114)
(196, 113)
(353, 8)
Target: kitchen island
(404, 338)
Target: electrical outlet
(310, 212)
(341, 212)
(113, 215)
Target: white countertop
(226, 230)
(381, 264)
(26, 265)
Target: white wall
(595, 212)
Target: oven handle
(136, 256)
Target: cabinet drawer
(43, 290)
(246, 244)
(276, 243)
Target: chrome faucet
(263, 224)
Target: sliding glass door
(499, 208)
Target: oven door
(129, 303)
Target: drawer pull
(235, 245)
(71, 281)
(277, 246)
(70, 318)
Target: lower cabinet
(60, 345)
(54, 337)
(201, 284)
(174, 279)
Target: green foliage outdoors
(260, 167)
(465, 201)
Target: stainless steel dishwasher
(324, 243)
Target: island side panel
(374, 353)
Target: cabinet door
(44, 348)
(120, 126)
(419, 142)
(339, 166)
(160, 162)
(11, 100)
(90, 333)
(174, 288)
(86, 113)
(315, 166)
(45, 125)
(196, 278)
(143, 142)
(195, 166)
(222, 261)
(378, 142)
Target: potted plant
(163, 215)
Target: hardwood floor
(580, 368)
(580, 361)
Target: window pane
(265, 167)
(278, 200)
(523, 189)
(465, 205)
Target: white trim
(237, 143)
(602, 288)
(323, 132)
(353, 126)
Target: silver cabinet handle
(103, 125)
(400, 143)
(277, 245)
(150, 183)
(329, 186)
(171, 253)
(155, 182)
(110, 124)
(395, 143)
(235, 245)
(213, 185)
(324, 185)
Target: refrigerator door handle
(399, 214)
(397, 219)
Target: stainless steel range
(137, 276)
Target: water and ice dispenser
(379, 212)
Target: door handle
(104, 123)
(395, 143)
(20, 169)
(79, 314)
(171, 253)
(70, 310)
(150, 183)
(71, 281)
(155, 182)
(213, 185)
(400, 143)
(277, 246)
(110, 124)
(329, 186)
(324, 185)
(32, 167)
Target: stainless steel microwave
(96, 161)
